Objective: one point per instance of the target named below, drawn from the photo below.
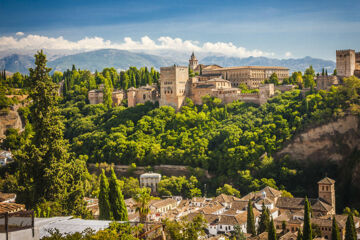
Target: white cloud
(34, 42)
(288, 54)
(19, 34)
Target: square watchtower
(345, 63)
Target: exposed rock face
(333, 141)
(8, 120)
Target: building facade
(150, 180)
(142, 94)
(174, 86)
(96, 96)
(347, 63)
(252, 76)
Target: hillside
(299, 64)
(17, 63)
(100, 59)
(121, 59)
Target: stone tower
(193, 62)
(345, 63)
(174, 85)
(327, 191)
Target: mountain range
(122, 59)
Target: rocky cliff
(333, 141)
(10, 119)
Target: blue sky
(295, 28)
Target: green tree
(142, 199)
(274, 79)
(250, 226)
(116, 199)
(272, 231)
(228, 190)
(107, 94)
(104, 203)
(307, 230)
(350, 231)
(47, 172)
(335, 233)
(264, 220)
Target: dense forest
(234, 142)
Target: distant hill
(16, 63)
(122, 59)
(100, 59)
(299, 64)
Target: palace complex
(210, 80)
(176, 84)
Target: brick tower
(327, 192)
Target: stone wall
(167, 170)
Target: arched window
(144, 96)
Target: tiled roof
(298, 204)
(262, 236)
(11, 207)
(223, 198)
(270, 192)
(288, 236)
(251, 67)
(212, 208)
(327, 180)
(163, 203)
(6, 196)
(198, 199)
(218, 80)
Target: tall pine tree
(250, 227)
(307, 230)
(272, 231)
(335, 233)
(350, 231)
(116, 198)
(104, 203)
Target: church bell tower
(193, 62)
(327, 192)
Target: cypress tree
(116, 198)
(47, 171)
(264, 220)
(307, 231)
(335, 233)
(104, 204)
(250, 226)
(107, 97)
(350, 231)
(300, 235)
(272, 231)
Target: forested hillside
(234, 142)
